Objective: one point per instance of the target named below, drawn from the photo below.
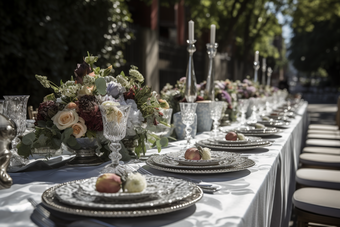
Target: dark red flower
(160, 113)
(46, 111)
(129, 94)
(155, 122)
(82, 70)
(90, 112)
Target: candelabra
(190, 87)
(256, 68)
(209, 89)
(264, 72)
(269, 74)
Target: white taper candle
(257, 56)
(191, 30)
(212, 33)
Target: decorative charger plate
(216, 157)
(163, 160)
(275, 123)
(259, 132)
(241, 166)
(207, 143)
(88, 187)
(249, 144)
(50, 200)
(171, 190)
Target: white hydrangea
(206, 155)
(135, 182)
(136, 75)
(108, 79)
(69, 89)
(135, 117)
(89, 80)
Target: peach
(231, 136)
(192, 154)
(108, 182)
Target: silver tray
(171, 190)
(88, 187)
(223, 147)
(275, 123)
(49, 200)
(259, 132)
(242, 166)
(216, 157)
(162, 160)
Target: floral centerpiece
(72, 112)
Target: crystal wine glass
(16, 109)
(253, 118)
(188, 111)
(215, 114)
(114, 124)
(243, 106)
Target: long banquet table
(259, 196)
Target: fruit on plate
(109, 183)
(197, 153)
(259, 126)
(240, 136)
(231, 136)
(192, 154)
(135, 182)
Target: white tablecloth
(259, 196)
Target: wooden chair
(317, 207)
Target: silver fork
(208, 188)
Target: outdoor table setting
(242, 174)
(235, 187)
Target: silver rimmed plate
(275, 123)
(163, 160)
(212, 145)
(249, 144)
(260, 132)
(50, 200)
(216, 157)
(241, 166)
(88, 187)
(171, 190)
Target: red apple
(231, 136)
(108, 182)
(192, 154)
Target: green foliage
(48, 38)
(317, 52)
(101, 86)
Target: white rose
(65, 119)
(112, 112)
(206, 155)
(79, 129)
(135, 182)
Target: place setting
(199, 160)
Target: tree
(51, 37)
(315, 46)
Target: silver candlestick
(209, 89)
(269, 74)
(256, 68)
(190, 86)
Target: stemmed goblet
(16, 110)
(243, 106)
(215, 114)
(114, 129)
(188, 111)
(253, 117)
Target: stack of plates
(162, 195)
(274, 123)
(220, 162)
(221, 143)
(251, 131)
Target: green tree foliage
(51, 37)
(315, 46)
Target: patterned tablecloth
(259, 196)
